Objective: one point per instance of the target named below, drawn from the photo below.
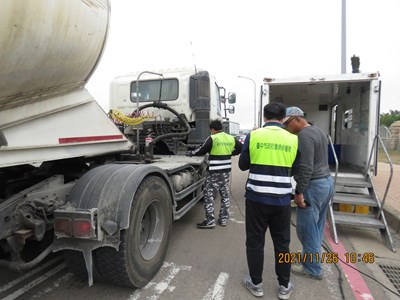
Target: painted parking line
(28, 274)
(356, 282)
(53, 286)
(165, 284)
(218, 291)
(35, 282)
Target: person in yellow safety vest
(220, 146)
(268, 153)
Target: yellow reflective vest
(221, 152)
(272, 152)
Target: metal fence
(389, 139)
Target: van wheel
(144, 243)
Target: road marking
(160, 287)
(356, 282)
(217, 293)
(27, 275)
(35, 282)
(136, 294)
(163, 285)
(55, 284)
(236, 221)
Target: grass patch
(394, 156)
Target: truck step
(358, 220)
(352, 182)
(355, 199)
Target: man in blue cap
(314, 189)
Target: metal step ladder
(358, 192)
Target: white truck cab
(177, 89)
(173, 97)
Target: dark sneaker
(255, 289)
(222, 223)
(299, 270)
(284, 293)
(206, 224)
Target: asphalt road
(209, 264)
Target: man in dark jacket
(221, 147)
(268, 153)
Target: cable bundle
(135, 118)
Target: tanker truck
(100, 188)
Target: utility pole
(343, 37)
(255, 105)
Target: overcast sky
(251, 38)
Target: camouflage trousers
(217, 182)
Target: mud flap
(87, 254)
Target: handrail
(336, 167)
(376, 139)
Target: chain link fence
(390, 138)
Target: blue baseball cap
(293, 111)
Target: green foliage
(387, 119)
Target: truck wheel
(144, 244)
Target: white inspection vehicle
(346, 108)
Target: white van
(346, 108)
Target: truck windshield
(149, 90)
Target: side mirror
(232, 98)
(231, 109)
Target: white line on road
(163, 285)
(236, 221)
(35, 282)
(217, 293)
(137, 293)
(54, 285)
(27, 275)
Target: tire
(144, 244)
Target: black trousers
(258, 218)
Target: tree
(387, 119)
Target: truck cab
(191, 96)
